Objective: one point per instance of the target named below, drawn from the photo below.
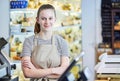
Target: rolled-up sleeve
(27, 46)
(63, 47)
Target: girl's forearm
(53, 76)
(36, 73)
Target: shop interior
(91, 28)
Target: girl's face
(46, 19)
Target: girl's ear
(37, 19)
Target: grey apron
(42, 56)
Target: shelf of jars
(68, 24)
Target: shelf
(25, 9)
(115, 31)
(65, 27)
(117, 48)
(31, 29)
(25, 33)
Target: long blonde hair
(43, 7)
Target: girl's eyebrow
(45, 17)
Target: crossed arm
(30, 71)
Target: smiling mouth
(46, 26)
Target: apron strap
(53, 40)
(35, 40)
(35, 43)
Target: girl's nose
(47, 21)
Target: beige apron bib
(45, 56)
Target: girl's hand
(58, 70)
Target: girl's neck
(45, 35)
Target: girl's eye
(43, 18)
(46, 18)
(50, 18)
